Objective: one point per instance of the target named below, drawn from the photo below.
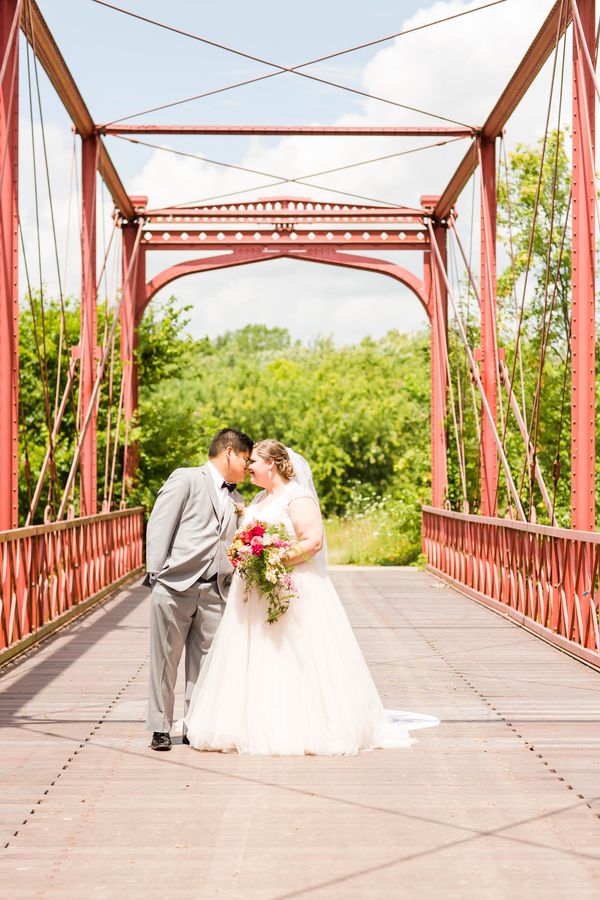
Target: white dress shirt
(223, 495)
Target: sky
(123, 66)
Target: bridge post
(132, 309)
(9, 285)
(88, 337)
(435, 290)
(583, 398)
(488, 351)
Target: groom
(190, 528)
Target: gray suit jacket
(187, 535)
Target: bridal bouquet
(257, 554)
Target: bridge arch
(327, 257)
(324, 232)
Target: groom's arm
(165, 518)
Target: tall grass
(387, 533)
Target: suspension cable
(448, 375)
(294, 70)
(459, 371)
(260, 187)
(548, 310)
(100, 372)
(42, 353)
(279, 180)
(535, 215)
(484, 400)
(469, 266)
(511, 248)
(63, 333)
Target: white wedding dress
(298, 686)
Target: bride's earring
(271, 473)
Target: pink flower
(257, 547)
(258, 530)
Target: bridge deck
(501, 800)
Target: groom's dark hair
(229, 437)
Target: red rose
(246, 536)
(257, 531)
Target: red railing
(545, 578)
(49, 572)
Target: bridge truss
(558, 596)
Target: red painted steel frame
(218, 239)
(290, 130)
(327, 256)
(9, 272)
(488, 350)
(545, 578)
(48, 570)
(132, 310)
(583, 278)
(89, 330)
(540, 49)
(437, 293)
(275, 210)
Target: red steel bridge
(510, 795)
(544, 575)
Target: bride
(300, 685)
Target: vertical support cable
(583, 275)
(9, 268)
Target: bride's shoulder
(295, 491)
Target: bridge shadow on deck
(505, 789)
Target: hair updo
(277, 453)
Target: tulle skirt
(298, 686)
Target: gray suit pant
(179, 619)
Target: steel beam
(9, 270)
(583, 278)
(326, 256)
(226, 240)
(132, 307)
(285, 210)
(46, 50)
(542, 46)
(294, 130)
(488, 349)
(88, 338)
(438, 305)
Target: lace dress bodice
(276, 511)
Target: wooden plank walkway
(501, 800)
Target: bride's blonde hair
(277, 453)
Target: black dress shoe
(161, 740)
(185, 740)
